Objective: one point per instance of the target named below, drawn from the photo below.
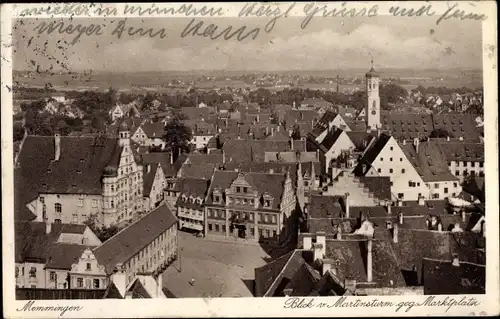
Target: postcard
(250, 159)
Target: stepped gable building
(66, 179)
(257, 206)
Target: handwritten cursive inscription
(405, 12)
(121, 27)
(269, 11)
(454, 13)
(61, 28)
(186, 9)
(311, 9)
(71, 9)
(213, 31)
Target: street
(219, 269)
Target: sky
(326, 44)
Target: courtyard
(219, 269)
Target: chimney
(148, 168)
(307, 243)
(404, 142)
(400, 203)
(271, 171)
(57, 147)
(294, 105)
(462, 214)
(223, 157)
(369, 261)
(267, 131)
(378, 131)
(416, 142)
(395, 233)
(171, 158)
(327, 265)
(48, 226)
(339, 232)
(455, 261)
(440, 227)
(347, 208)
(460, 138)
(389, 209)
(320, 246)
(421, 201)
(272, 131)
(448, 138)
(400, 218)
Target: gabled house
(56, 256)
(253, 206)
(123, 110)
(384, 157)
(154, 184)
(66, 179)
(325, 124)
(189, 204)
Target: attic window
(267, 203)
(49, 170)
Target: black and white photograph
(289, 150)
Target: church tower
(373, 99)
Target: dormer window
(267, 203)
(238, 189)
(217, 198)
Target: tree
(177, 136)
(102, 232)
(18, 131)
(440, 133)
(296, 132)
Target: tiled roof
(323, 123)
(372, 153)
(351, 261)
(325, 207)
(82, 163)
(192, 187)
(33, 243)
(161, 158)
(409, 126)
(429, 162)
(262, 182)
(196, 113)
(304, 281)
(62, 255)
(360, 139)
(379, 186)
(132, 239)
(254, 150)
(265, 275)
(356, 126)
(475, 187)
(154, 130)
(441, 277)
(413, 245)
(295, 116)
(316, 102)
(331, 137)
(200, 165)
(460, 151)
(112, 292)
(281, 276)
(148, 177)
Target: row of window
(471, 164)
(390, 158)
(192, 221)
(472, 173)
(96, 283)
(379, 170)
(263, 233)
(188, 211)
(264, 218)
(81, 201)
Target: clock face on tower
(374, 112)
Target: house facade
(253, 206)
(154, 184)
(149, 245)
(56, 256)
(106, 178)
